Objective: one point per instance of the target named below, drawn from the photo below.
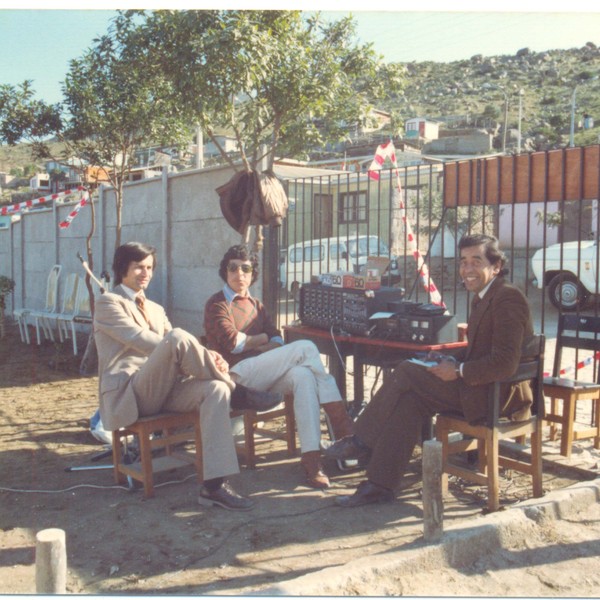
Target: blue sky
(38, 43)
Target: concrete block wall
(178, 213)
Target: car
(310, 258)
(568, 271)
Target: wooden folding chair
(486, 438)
(581, 333)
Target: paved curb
(460, 546)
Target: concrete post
(50, 562)
(433, 506)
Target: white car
(569, 271)
(304, 260)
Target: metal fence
(331, 218)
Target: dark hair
(491, 248)
(239, 252)
(128, 253)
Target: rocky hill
(474, 92)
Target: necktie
(139, 300)
(476, 300)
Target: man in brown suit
(145, 366)
(388, 429)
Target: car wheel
(566, 293)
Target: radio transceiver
(343, 308)
(378, 313)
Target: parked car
(315, 257)
(568, 271)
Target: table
(364, 351)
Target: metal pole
(521, 92)
(572, 135)
(505, 123)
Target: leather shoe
(225, 497)
(366, 493)
(349, 447)
(243, 398)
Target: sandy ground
(120, 543)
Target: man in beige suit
(145, 366)
(388, 429)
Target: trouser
(295, 368)
(180, 375)
(391, 423)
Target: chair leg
(553, 428)
(249, 448)
(596, 415)
(146, 462)
(568, 417)
(536, 461)
(116, 455)
(492, 444)
(441, 435)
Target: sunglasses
(233, 268)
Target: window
(353, 207)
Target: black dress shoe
(243, 398)
(226, 497)
(366, 493)
(348, 448)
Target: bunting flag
(85, 198)
(580, 365)
(399, 219)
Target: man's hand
(445, 369)
(221, 363)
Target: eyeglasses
(233, 268)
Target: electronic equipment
(417, 328)
(344, 309)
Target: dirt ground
(120, 543)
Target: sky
(38, 39)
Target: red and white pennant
(19, 206)
(387, 151)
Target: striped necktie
(140, 300)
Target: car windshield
(371, 246)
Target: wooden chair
(252, 428)
(580, 332)
(486, 438)
(167, 431)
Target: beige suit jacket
(124, 341)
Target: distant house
(420, 128)
(40, 183)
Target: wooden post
(50, 562)
(433, 506)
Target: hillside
(480, 85)
(473, 92)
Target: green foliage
(21, 114)
(7, 286)
(272, 77)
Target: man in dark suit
(389, 427)
(145, 366)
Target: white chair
(70, 300)
(22, 315)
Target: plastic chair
(485, 438)
(580, 332)
(22, 315)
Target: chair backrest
(83, 307)
(52, 289)
(531, 368)
(70, 291)
(581, 332)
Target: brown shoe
(315, 476)
(366, 493)
(339, 419)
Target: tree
(272, 78)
